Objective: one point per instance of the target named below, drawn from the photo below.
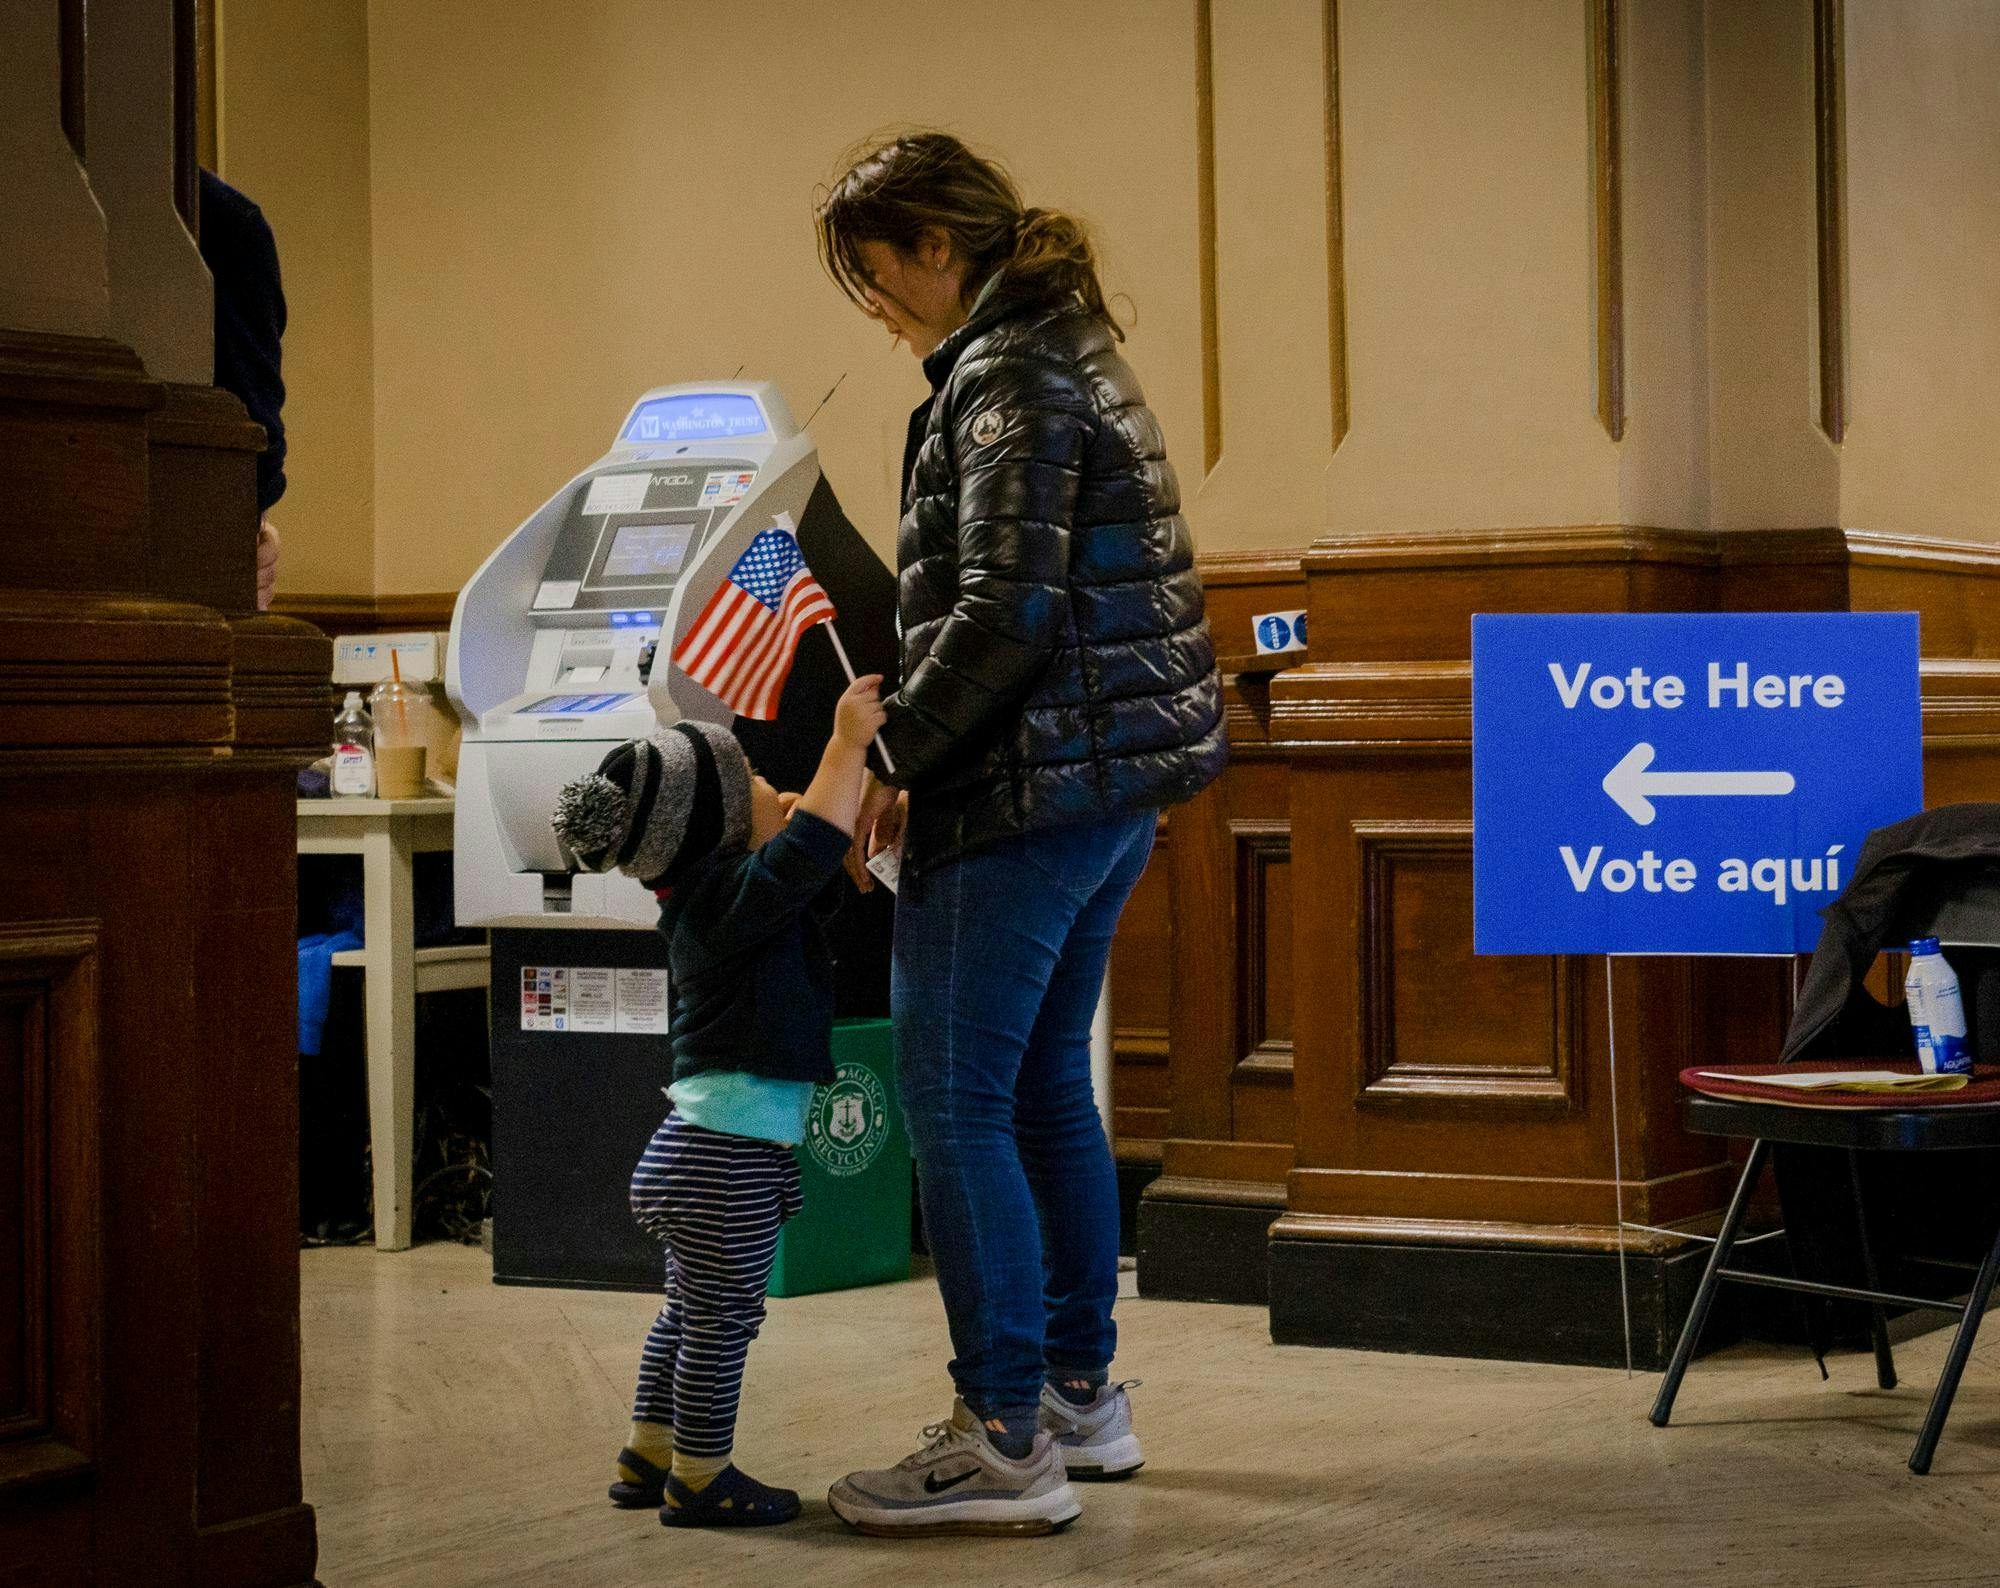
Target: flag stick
(832, 633)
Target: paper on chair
(1847, 1081)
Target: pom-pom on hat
(654, 806)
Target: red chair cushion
(1984, 1086)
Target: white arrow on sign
(1634, 789)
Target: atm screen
(696, 418)
(642, 550)
(579, 705)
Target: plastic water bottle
(353, 750)
(1936, 1011)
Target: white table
(386, 834)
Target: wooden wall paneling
(134, 841)
(1199, 1023)
(1141, 997)
(1261, 1115)
(73, 417)
(1961, 708)
(430, 610)
(1362, 607)
(51, 1280)
(80, 672)
(1449, 1103)
(251, 1525)
(1951, 583)
(1453, 1104)
(1230, 870)
(1263, 855)
(200, 437)
(334, 615)
(1454, 1149)
(1239, 586)
(147, 747)
(1203, 1223)
(1418, 974)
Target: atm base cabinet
(572, 1112)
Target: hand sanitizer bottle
(353, 750)
(1936, 1011)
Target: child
(735, 864)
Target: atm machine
(558, 652)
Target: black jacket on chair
(1056, 658)
(1936, 874)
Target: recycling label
(849, 1122)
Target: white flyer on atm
(642, 1002)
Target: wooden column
(150, 727)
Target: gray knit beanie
(654, 806)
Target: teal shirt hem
(737, 1104)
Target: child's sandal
(731, 1499)
(650, 1490)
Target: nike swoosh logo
(932, 1486)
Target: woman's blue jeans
(999, 960)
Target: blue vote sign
(1683, 784)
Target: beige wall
(572, 203)
(1664, 462)
(1467, 179)
(501, 220)
(56, 275)
(292, 125)
(1772, 466)
(1923, 182)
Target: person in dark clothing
(1058, 689)
(737, 866)
(242, 258)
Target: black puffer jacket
(1057, 665)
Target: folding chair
(1953, 1121)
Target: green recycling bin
(854, 1166)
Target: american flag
(742, 645)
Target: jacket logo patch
(987, 426)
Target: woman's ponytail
(894, 190)
(1053, 258)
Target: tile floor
(460, 1434)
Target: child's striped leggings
(717, 1202)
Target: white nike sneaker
(958, 1483)
(1096, 1441)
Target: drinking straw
(402, 715)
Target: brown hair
(894, 188)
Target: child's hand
(787, 802)
(859, 715)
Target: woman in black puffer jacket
(1058, 688)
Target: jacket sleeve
(1018, 430)
(242, 257)
(761, 893)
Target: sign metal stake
(1618, 1163)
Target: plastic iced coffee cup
(402, 736)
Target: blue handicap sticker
(1274, 633)
(1683, 784)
